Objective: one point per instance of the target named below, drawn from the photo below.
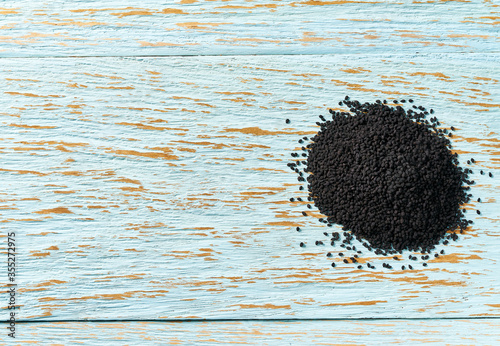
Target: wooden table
(144, 152)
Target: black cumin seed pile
(388, 176)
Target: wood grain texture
(345, 333)
(157, 188)
(192, 27)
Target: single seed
(298, 229)
(287, 121)
(333, 264)
(292, 199)
(302, 245)
(478, 212)
(424, 264)
(491, 175)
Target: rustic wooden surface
(156, 187)
(344, 333)
(191, 27)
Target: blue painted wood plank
(158, 188)
(380, 332)
(152, 27)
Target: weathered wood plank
(380, 332)
(191, 27)
(157, 187)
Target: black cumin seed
(304, 213)
(491, 175)
(287, 121)
(478, 212)
(346, 261)
(333, 264)
(298, 229)
(302, 244)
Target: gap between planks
(233, 54)
(201, 320)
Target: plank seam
(199, 320)
(230, 55)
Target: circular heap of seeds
(387, 175)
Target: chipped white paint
(380, 332)
(123, 27)
(157, 188)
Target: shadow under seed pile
(387, 175)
